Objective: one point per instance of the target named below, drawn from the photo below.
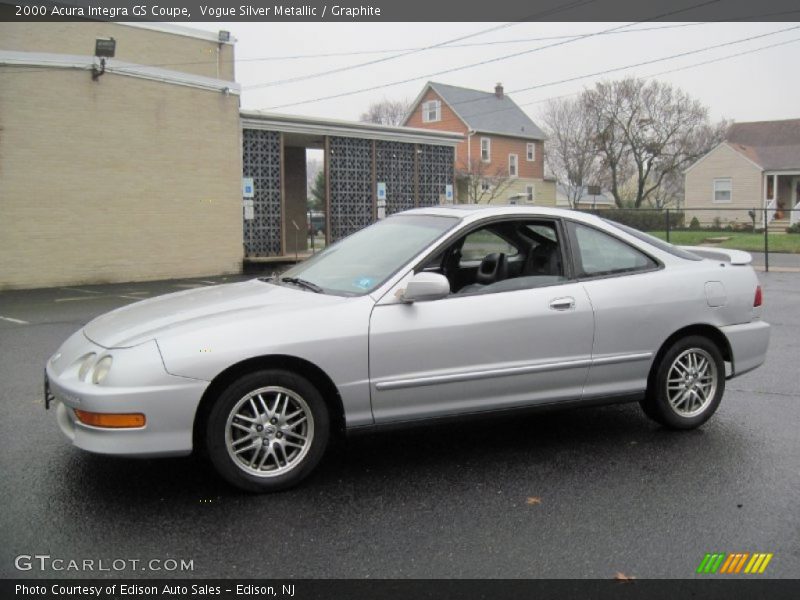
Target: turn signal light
(115, 421)
(759, 297)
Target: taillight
(759, 297)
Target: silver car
(431, 313)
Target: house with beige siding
(501, 157)
(130, 175)
(756, 168)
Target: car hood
(148, 319)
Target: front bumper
(169, 404)
(749, 343)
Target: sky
(762, 85)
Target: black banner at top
(184, 11)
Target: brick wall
(117, 180)
(134, 44)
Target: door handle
(566, 303)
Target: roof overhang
(46, 60)
(513, 136)
(255, 119)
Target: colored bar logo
(734, 563)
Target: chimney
(498, 91)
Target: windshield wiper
(302, 283)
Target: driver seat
(493, 268)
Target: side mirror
(426, 286)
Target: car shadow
(480, 447)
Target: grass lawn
(752, 242)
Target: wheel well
(310, 371)
(707, 331)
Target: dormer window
(431, 111)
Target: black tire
(692, 398)
(280, 459)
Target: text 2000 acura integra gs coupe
(434, 312)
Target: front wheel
(688, 384)
(267, 431)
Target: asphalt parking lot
(579, 493)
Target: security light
(105, 47)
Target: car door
(477, 352)
(630, 295)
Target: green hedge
(643, 219)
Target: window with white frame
(513, 165)
(723, 189)
(431, 111)
(529, 193)
(485, 185)
(486, 149)
(531, 152)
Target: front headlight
(101, 369)
(86, 364)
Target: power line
(501, 42)
(377, 60)
(549, 12)
(542, 14)
(650, 62)
(480, 63)
(639, 64)
(682, 68)
(751, 17)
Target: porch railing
(772, 208)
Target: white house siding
(746, 187)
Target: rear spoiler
(734, 257)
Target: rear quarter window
(598, 253)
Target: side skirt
(497, 413)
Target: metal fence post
(766, 241)
(667, 217)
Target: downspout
(470, 133)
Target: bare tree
(482, 183)
(387, 112)
(646, 133)
(607, 107)
(571, 153)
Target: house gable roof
(484, 111)
(773, 145)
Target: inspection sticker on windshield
(363, 282)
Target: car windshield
(364, 260)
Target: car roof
(473, 212)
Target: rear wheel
(267, 431)
(688, 384)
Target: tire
(687, 385)
(267, 431)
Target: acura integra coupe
(431, 313)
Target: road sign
(248, 187)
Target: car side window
(482, 242)
(599, 253)
(505, 256)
